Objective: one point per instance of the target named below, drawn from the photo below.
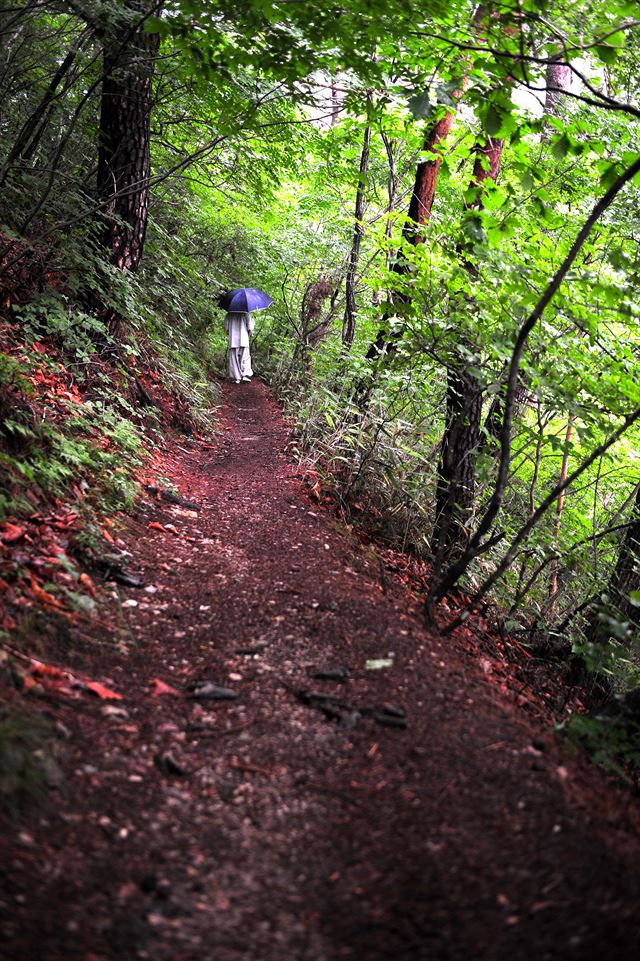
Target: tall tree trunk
(455, 491)
(424, 191)
(125, 115)
(426, 179)
(558, 82)
(349, 322)
(486, 165)
(456, 487)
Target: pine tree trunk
(424, 191)
(486, 165)
(426, 179)
(124, 156)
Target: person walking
(238, 325)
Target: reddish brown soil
(471, 834)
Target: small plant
(610, 735)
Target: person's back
(238, 325)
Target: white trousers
(239, 363)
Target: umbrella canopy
(245, 299)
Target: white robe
(238, 326)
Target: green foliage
(611, 737)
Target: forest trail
(258, 828)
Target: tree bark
(422, 197)
(486, 165)
(124, 154)
(476, 545)
(426, 179)
(558, 83)
(455, 490)
(467, 435)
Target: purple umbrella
(245, 299)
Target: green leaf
(445, 92)
(561, 146)
(609, 173)
(420, 106)
(473, 229)
(607, 53)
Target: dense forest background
(443, 201)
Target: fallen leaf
(86, 581)
(159, 687)
(544, 905)
(39, 669)
(110, 710)
(10, 533)
(42, 595)
(103, 692)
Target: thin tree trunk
(564, 470)
(422, 197)
(533, 487)
(426, 179)
(558, 81)
(419, 213)
(486, 165)
(124, 155)
(349, 322)
(32, 129)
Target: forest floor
(411, 806)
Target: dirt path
(258, 829)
